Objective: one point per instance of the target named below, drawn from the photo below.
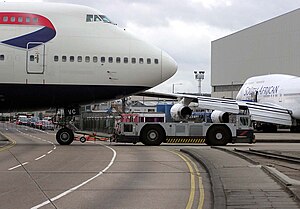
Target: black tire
(152, 135)
(218, 135)
(65, 136)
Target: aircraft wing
(259, 112)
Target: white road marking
(40, 157)
(50, 152)
(80, 185)
(17, 166)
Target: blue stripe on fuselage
(43, 35)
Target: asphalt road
(36, 172)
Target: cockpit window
(89, 18)
(97, 18)
(105, 19)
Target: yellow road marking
(12, 143)
(201, 188)
(188, 162)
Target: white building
(272, 46)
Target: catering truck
(238, 130)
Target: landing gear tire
(152, 135)
(218, 135)
(65, 136)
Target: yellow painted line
(188, 161)
(12, 143)
(201, 187)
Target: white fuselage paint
(276, 89)
(55, 62)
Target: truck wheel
(218, 135)
(152, 135)
(65, 136)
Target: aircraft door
(35, 58)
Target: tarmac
(238, 183)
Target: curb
(219, 198)
(284, 182)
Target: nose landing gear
(65, 135)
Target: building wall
(269, 47)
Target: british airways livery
(64, 55)
(44, 33)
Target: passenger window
(31, 58)
(125, 59)
(118, 59)
(156, 61)
(141, 60)
(79, 59)
(20, 19)
(148, 61)
(102, 59)
(64, 58)
(55, 58)
(27, 19)
(133, 60)
(87, 59)
(72, 58)
(89, 18)
(12, 19)
(1, 57)
(5, 19)
(95, 59)
(110, 60)
(35, 19)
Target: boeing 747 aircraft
(269, 99)
(64, 55)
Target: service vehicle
(238, 130)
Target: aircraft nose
(169, 66)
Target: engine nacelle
(219, 117)
(180, 112)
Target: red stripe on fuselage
(6, 18)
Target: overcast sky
(185, 28)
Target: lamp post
(173, 86)
(199, 76)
